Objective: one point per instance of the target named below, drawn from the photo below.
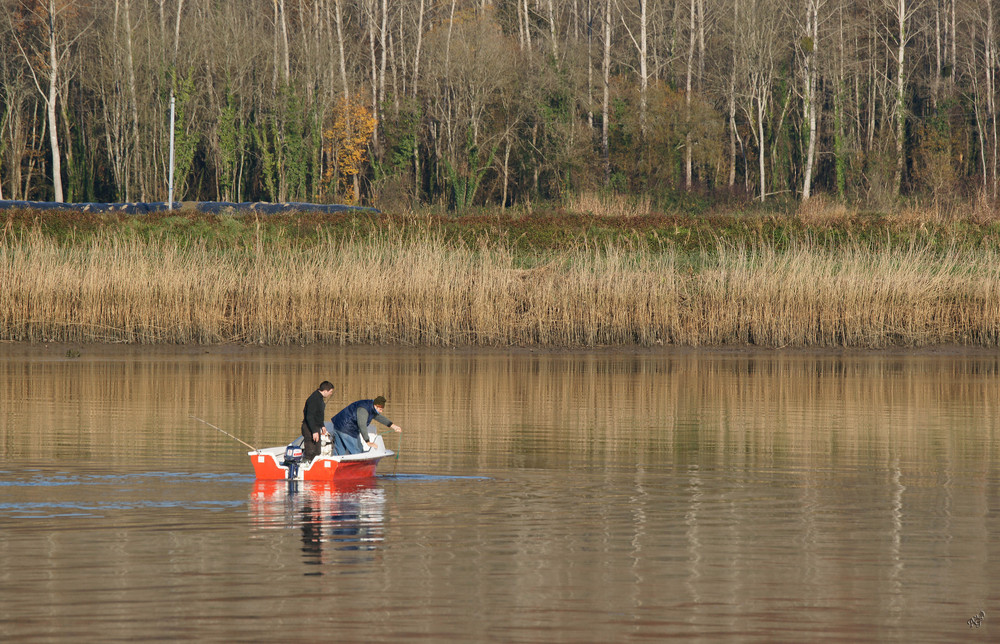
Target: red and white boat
(283, 463)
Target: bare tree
(689, 76)
(770, 72)
(809, 47)
(46, 36)
(979, 64)
(605, 111)
(901, 12)
(757, 34)
(642, 49)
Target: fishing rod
(226, 433)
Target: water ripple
(51, 510)
(41, 479)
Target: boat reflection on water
(340, 523)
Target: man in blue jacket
(350, 425)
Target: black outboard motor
(293, 457)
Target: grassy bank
(560, 280)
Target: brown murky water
(553, 497)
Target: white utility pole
(170, 188)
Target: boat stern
(266, 466)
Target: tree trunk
(954, 39)
(340, 47)
(343, 77)
(989, 65)
(527, 23)
(416, 77)
(177, 29)
(416, 53)
(810, 104)
(732, 137)
(382, 63)
(692, 36)
(373, 8)
(590, 65)
(520, 26)
(51, 107)
(731, 99)
(134, 102)
(506, 174)
(701, 44)
(936, 81)
(552, 34)
(643, 68)
(605, 152)
(27, 175)
(900, 107)
(284, 39)
(761, 143)
(840, 85)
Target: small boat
(285, 463)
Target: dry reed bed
(394, 290)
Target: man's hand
(315, 437)
(395, 427)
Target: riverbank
(70, 351)
(557, 280)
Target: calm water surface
(552, 497)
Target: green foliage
(552, 146)
(233, 135)
(286, 141)
(295, 142)
(74, 163)
(784, 150)
(618, 182)
(654, 162)
(263, 138)
(464, 180)
(186, 136)
(934, 163)
(399, 130)
(691, 229)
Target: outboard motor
(293, 457)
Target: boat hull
(269, 465)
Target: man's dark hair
(379, 401)
(326, 385)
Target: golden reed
(748, 404)
(394, 289)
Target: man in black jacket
(312, 421)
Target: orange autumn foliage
(345, 145)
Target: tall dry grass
(395, 289)
(608, 204)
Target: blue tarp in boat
(210, 207)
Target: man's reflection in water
(312, 536)
(340, 523)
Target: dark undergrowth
(542, 231)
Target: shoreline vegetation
(815, 276)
